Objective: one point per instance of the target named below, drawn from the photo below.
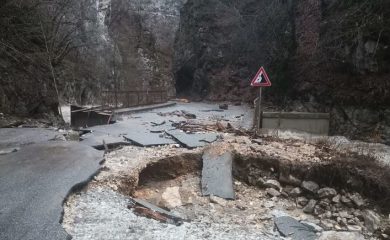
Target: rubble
(268, 176)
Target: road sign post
(260, 80)
(260, 114)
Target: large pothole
(347, 194)
(341, 195)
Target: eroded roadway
(34, 183)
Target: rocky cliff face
(321, 55)
(143, 34)
(221, 44)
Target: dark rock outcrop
(221, 44)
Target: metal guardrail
(125, 99)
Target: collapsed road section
(283, 189)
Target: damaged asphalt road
(160, 127)
(35, 181)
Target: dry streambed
(339, 194)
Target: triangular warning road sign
(261, 79)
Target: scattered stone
(218, 200)
(327, 224)
(328, 214)
(346, 200)
(338, 227)
(327, 192)
(72, 136)
(291, 228)
(188, 115)
(371, 220)
(333, 235)
(256, 181)
(357, 200)
(290, 179)
(302, 201)
(309, 208)
(265, 217)
(354, 228)
(269, 204)
(171, 198)
(314, 226)
(358, 214)
(273, 184)
(296, 192)
(257, 141)
(310, 186)
(224, 106)
(284, 194)
(272, 192)
(325, 203)
(240, 207)
(336, 199)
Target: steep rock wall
(143, 33)
(221, 44)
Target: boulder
(302, 201)
(309, 208)
(289, 179)
(310, 186)
(372, 220)
(327, 192)
(336, 199)
(171, 198)
(272, 192)
(357, 200)
(273, 184)
(296, 192)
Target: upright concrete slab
(217, 176)
(34, 183)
